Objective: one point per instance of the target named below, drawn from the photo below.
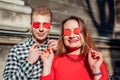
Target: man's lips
(40, 34)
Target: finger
(92, 54)
(96, 55)
(50, 41)
(90, 57)
(51, 52)
(35, 45)
(46, 51)
(89, 54)
(40, 53)
(100, 56)
(52, 45)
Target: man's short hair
(41, 11)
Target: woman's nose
(72, 35)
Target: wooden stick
(87, 46)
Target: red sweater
(64, 69)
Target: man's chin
(41, 38)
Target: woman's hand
(95, 60)
(47, 57)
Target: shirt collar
(31, 41)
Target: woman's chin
(73, 48)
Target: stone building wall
(99, 16)
(117, 19)
(15, 26)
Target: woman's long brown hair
(62, 49)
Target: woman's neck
(77, 51)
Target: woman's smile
(73, 40)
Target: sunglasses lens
(36, 25)
(67, 32)
(47, 25)
(77, 30)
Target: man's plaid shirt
(17, 67)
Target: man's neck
(40, 41)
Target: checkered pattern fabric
(17, 67)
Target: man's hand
(53, 44)
(34, 54)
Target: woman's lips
(73, 40)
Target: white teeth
(73, 40)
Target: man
(24, 61)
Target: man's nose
(41, 28)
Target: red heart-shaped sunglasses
(67, 32)
(37, 25)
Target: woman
(76, 57)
